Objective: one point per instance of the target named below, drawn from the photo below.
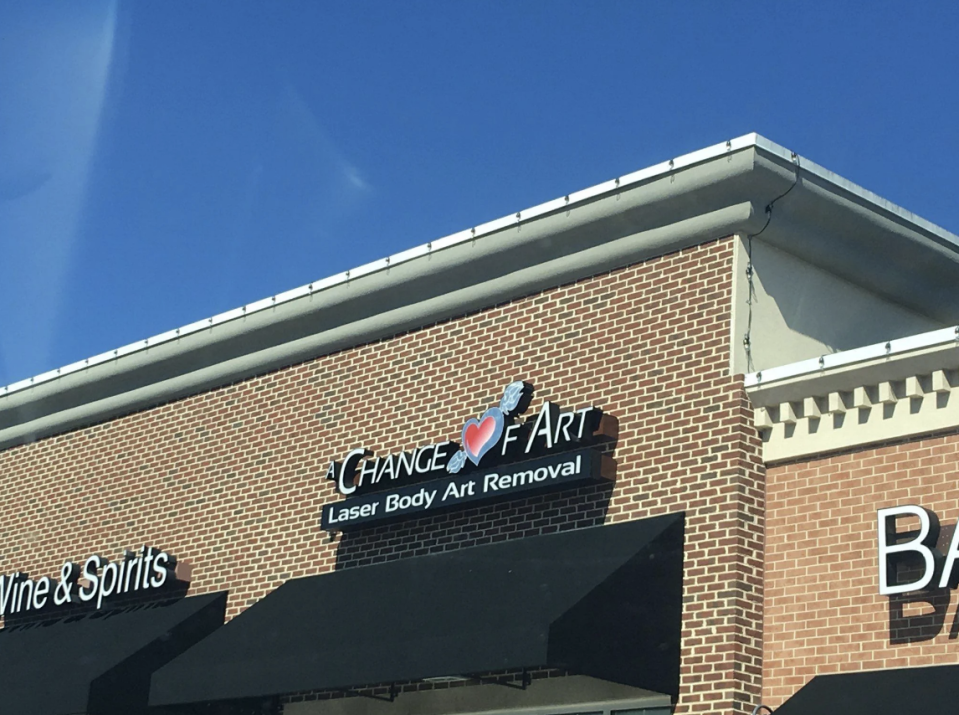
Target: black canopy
(604, 602)
(99, 662)
(880, 692)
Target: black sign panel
(502, 482)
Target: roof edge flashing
(888, 349)
(841, 185)
(705, 195)
(569, 202)
(25, 420)
(894, 360)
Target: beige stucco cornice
(880, 393)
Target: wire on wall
(750, 270)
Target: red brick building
(767, 352)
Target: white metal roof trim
(889, 349)
(577, 197)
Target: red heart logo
(479, 436)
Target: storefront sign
(97, 582)
(914, 554)
(561, 470)
(547, 451)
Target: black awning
(99, 662)
(604, 602)
(881, 692)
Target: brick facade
(231, 480)
(824, 613)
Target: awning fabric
(604, 602)
(100, 662)
(900, 691)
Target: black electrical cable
(769, 206)
(747, 338)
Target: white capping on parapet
(847, 358)
(858, 402)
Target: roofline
(481, 230)
(855, 189)
(470, 234)
(716, 192)
(848, 358)
(874, 395)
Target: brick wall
(823, 610)
(231, 480)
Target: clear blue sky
(161, 162)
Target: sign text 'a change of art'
(497, 458)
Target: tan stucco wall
(800, 311)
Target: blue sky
(163, 162)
